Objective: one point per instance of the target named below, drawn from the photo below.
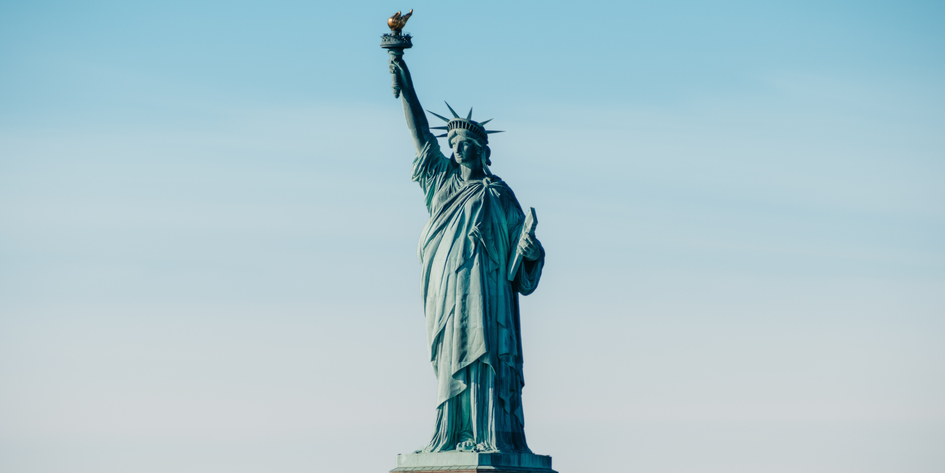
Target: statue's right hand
(399, 73)
(397, 85)
(396, 67)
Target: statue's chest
(473, 199)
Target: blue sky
(208, 232)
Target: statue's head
(468, 139)
(468, 149)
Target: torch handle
(395, 54)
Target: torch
(396, 42)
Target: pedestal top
(470, 461)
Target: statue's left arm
(529, 274)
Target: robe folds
(471, 307)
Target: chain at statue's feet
(467, 445)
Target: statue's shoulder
(431, 148)
(506, 192)
(497, 181)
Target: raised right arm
(413, 112)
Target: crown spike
(441, 117)
(442, 136)
(469, 117)
(451, 109)
(439, 128)
(489, 132)
(487, 121)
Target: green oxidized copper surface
(478, 254)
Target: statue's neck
(471, 173)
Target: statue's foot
(483, 448)
(466, 446)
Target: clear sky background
(208, 232)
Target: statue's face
(467, 150)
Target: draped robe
(471, 307)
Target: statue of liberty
(470, 280)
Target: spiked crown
(458, 123)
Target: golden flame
(397, 22)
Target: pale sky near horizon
(208, 232)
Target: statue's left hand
(530, 248)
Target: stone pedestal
(468, 462)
